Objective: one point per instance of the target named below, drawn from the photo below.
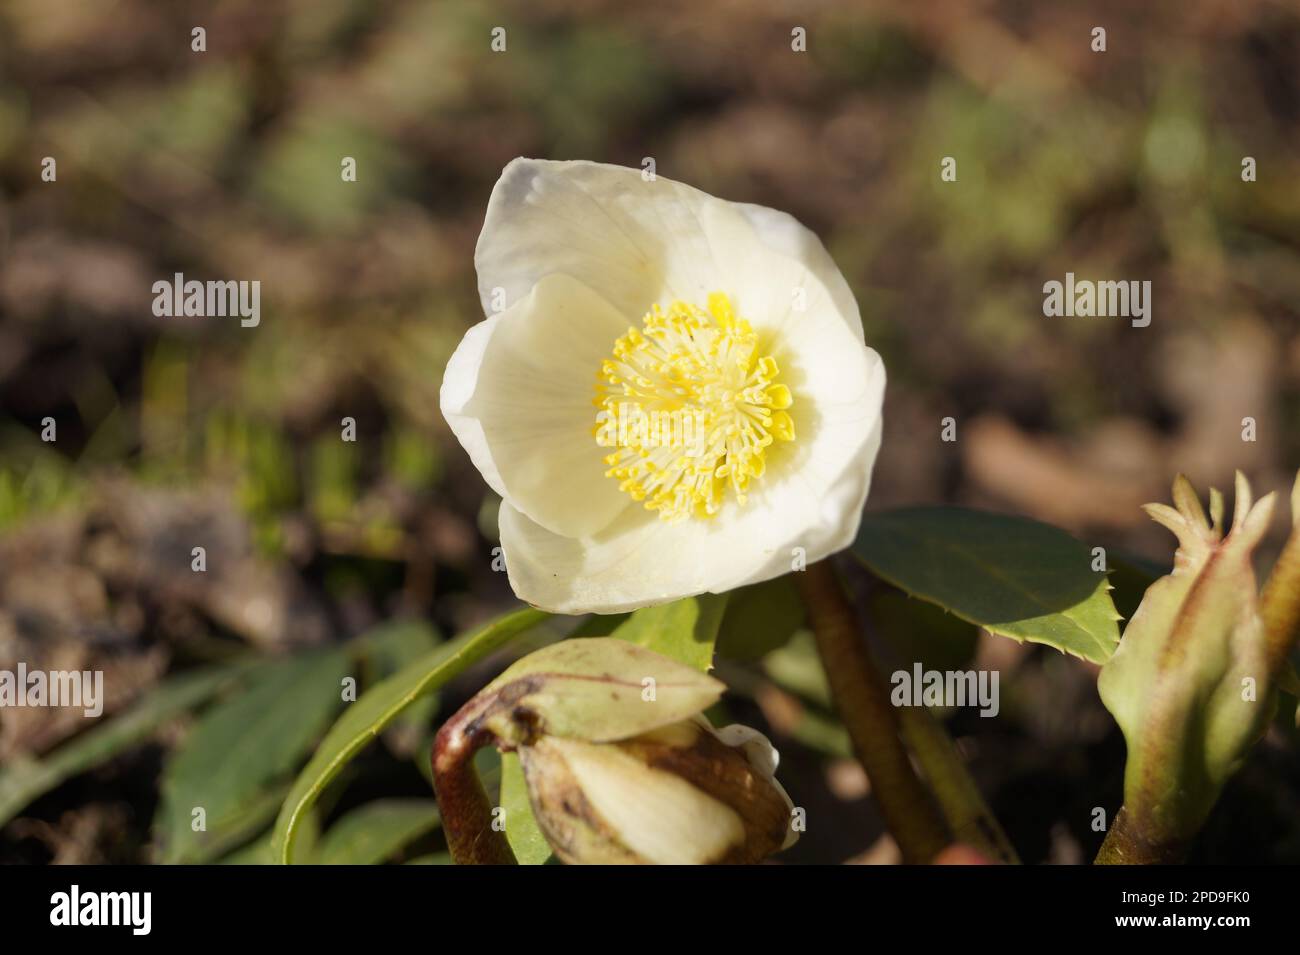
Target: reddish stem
(462, 800)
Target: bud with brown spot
(684, 794)
(621, 766)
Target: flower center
(690, 407)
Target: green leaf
(433, 858)
(920, 632)
(600, 625)
(363, 720)
(376, 831)
(684, 630)
(388, 648)
(522, 832)
(24, 780)
(760, 618)
(234, 829)
(257, 852)
(242, 747)
(1013, 577)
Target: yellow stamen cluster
(700, 372)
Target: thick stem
(861, 698)
(1126, 845)
(462, 800)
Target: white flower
(675, 397)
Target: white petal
(638, 243)
(635, 243)
(784, 234)
(781, 295)
(660, 817)
(518, 395)
(813, 501)
(836, 381)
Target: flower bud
(620, 763)
(683, 794)
(1190, 684)
(594, 689)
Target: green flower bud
(594, 689)
(1190, 684)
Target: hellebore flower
(1191, 683)
(620, 764)
(670, 394)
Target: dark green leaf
(920, 632)
(600, 625)
(242, 747)
(1013, 577)
(23, 781)
(376, 831)
(760, 618)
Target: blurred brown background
(225, 164)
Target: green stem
(861, 697)
(969, 817)
(1125, 844)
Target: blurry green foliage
(45, 484)
(234, 766)
(374, 832)
(300, 174)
